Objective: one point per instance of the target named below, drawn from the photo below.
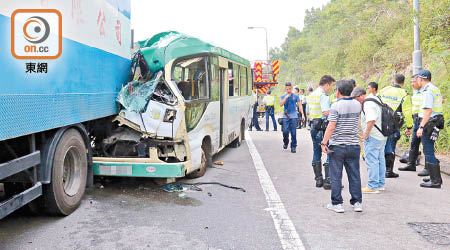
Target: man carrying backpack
(374, 140)
(398, 100)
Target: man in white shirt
(374, 140)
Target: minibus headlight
(170, 115)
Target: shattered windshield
(135, 95)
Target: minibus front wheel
(206, 161)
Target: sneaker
(336, 208)
(357, 207)
(285, 146)
(293, 150)
(367, 190)
(382, 189)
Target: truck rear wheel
(69, 174)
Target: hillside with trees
(368, 40)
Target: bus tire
(206, 162)
(68, 175)
(238, 141)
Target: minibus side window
(243, 81)
(230, 79)
(214, 79)
(203, 83)
(236, 79)
(250, 82)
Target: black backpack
(390, 120)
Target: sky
(223, 23)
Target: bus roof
(166, 46)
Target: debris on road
(182, 195)
(219, 163)
(173, 188)
(216, 183)
(195, 188)
(141, 187)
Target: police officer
(396, 97)
(431, 120)
(303, 99)
(310, 90)
(269, 101)
(415, 141)
(333, 98)
(318, 110)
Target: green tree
(368, 40)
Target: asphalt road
(130, 213)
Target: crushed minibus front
(186, 100)
(148, 137)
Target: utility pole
(417, 54)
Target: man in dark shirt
(290, 102)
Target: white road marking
(289, 237)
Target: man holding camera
(396, 97)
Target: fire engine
(265, 74)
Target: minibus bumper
(139, 169)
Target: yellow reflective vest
(269, 100)
(417, 102)
(333, 98)
(313, 100)
(394, 96)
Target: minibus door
(222, 105)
